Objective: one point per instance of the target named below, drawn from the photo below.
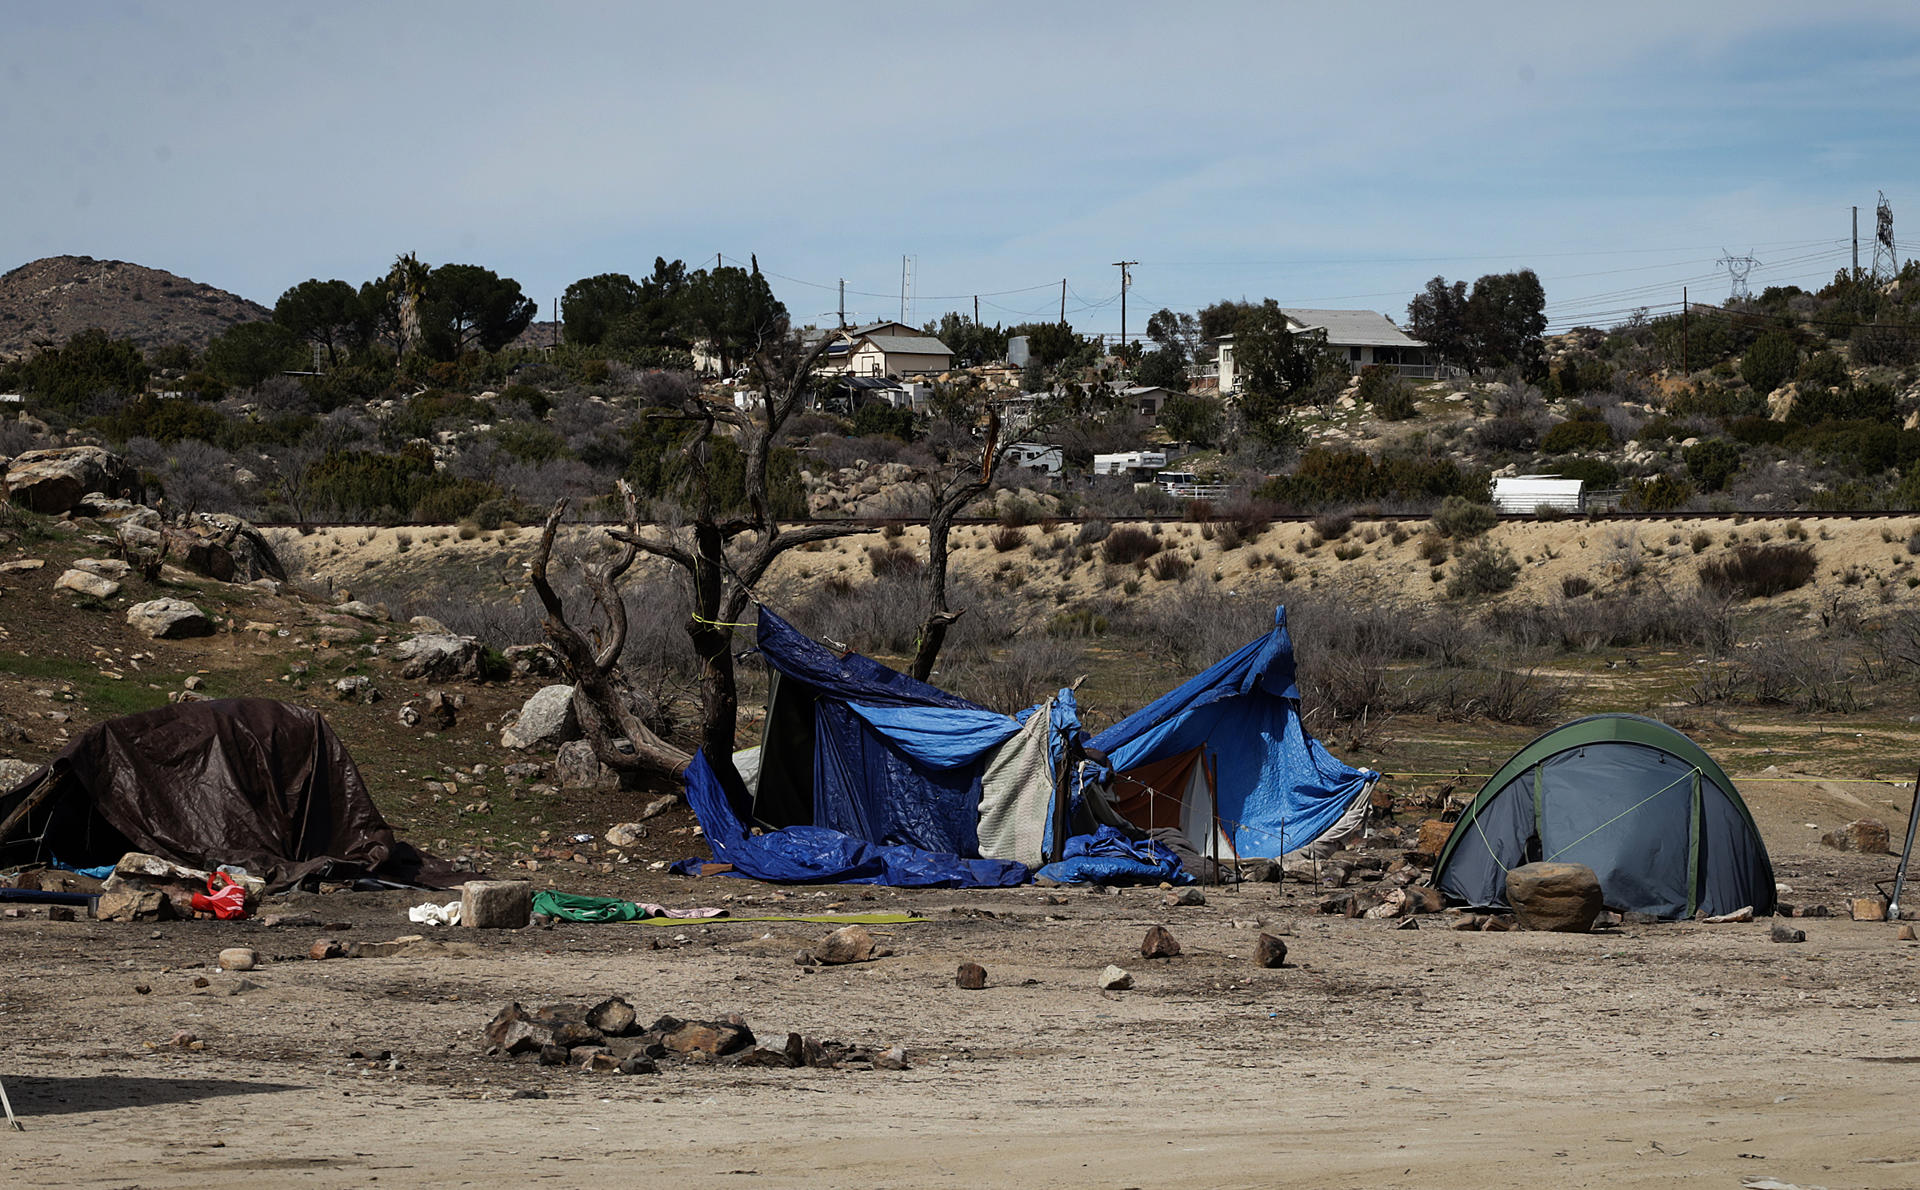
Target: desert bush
(1080, 621)
(1700, 541)
(1482, 570)
(1770, 361)
(1573, 586)
(1006, 538)
(1502, 696)
(1127, 545)
(1579, 434)
(889, 561)
(1758, 571)
(1507, 434)
(1198, 511)
(1462, 518)
(1333, 526)
(1091, 533)
(1169, 566)
(1017, 675)
(1807, 673)
(1661, 493)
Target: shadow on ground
(37, 1096)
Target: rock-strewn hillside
(52, 299)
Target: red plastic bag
(225, 899)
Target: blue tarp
(1109, 857)
(817, 855)
(1277, 789)
(894, 761)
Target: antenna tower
(1737, 269)
(906, 287)
(1886, 266)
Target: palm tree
(407, 280)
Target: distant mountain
(52, 299)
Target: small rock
(626, 834)
(971, 976)
(637, 1065)
(1185, 896)
(1788, 934)
(437, 712)
(1159, 944)
(87, 584)
(169, 619)
(496, 904)
(1868, 908)
(546, 720)
(238, 958)
(1433, 836)
(1564, 898)
(60, 913)
(613, 1017)
(1865, 835)
(895, 1058)
(327, 948)
(1269, 951)
(848, 944)
(1906, 934)
(1115, 979)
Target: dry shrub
(1126, 546)
(1170, 567)
(887, 561)
(893, 530)
(1006, 538)
(1199, 511)
(1503, 696)
(1758, 571)
(1333, 526)
(1091, 533)
(1573, 586)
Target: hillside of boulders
(50, 300)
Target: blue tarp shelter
(1225, 758)
(864, 773)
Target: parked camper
(1528, 493)
(1036, 456)
(1140, 464)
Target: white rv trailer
(1140, 464)
(1527, 493)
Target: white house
(1362, 337)
(884, 349)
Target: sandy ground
(1855, 557)
(1378, 1057)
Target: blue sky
(1329, 155)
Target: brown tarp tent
(251, 782)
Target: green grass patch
(93, 689)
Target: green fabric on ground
(573, 907)
(834, 919)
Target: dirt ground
(1377, 1057)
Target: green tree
(1770, 361)
(1176, 333)
(468, 306)
(1224, 318)
(1437, 316)
(1054, 346)
(1273, 369)
(89, 363)
(971, 342)
(1165, 368)
(1506, 314)
(735, 311)
(326, 314)
(592, 306)
(1712, 463)
(1192, 419)
(244, 355)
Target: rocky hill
(52, 299)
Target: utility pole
(716, 262)
(843, 303)
(1063, 301)
(906, 285)
(554, 339)
(976, 309)
(1125, 278)
(1856, 242)
(1683, 331)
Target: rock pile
(607, 1037)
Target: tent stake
(1906, 854)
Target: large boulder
(87, 583)
(225, 548)
(441, 658)
(1564, 898)
(1866, 835)
(54, 481)
(169, 619)
(546, 720)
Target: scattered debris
(1744, 913)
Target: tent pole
(1906, 854)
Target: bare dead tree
(968, 477)
(603, 697)
(722, 557)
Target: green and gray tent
(1655, 818)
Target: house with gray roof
(1361, 337)
(884, 349)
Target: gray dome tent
(1630, 797)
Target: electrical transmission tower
(1886, 266)
(1737, 269)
